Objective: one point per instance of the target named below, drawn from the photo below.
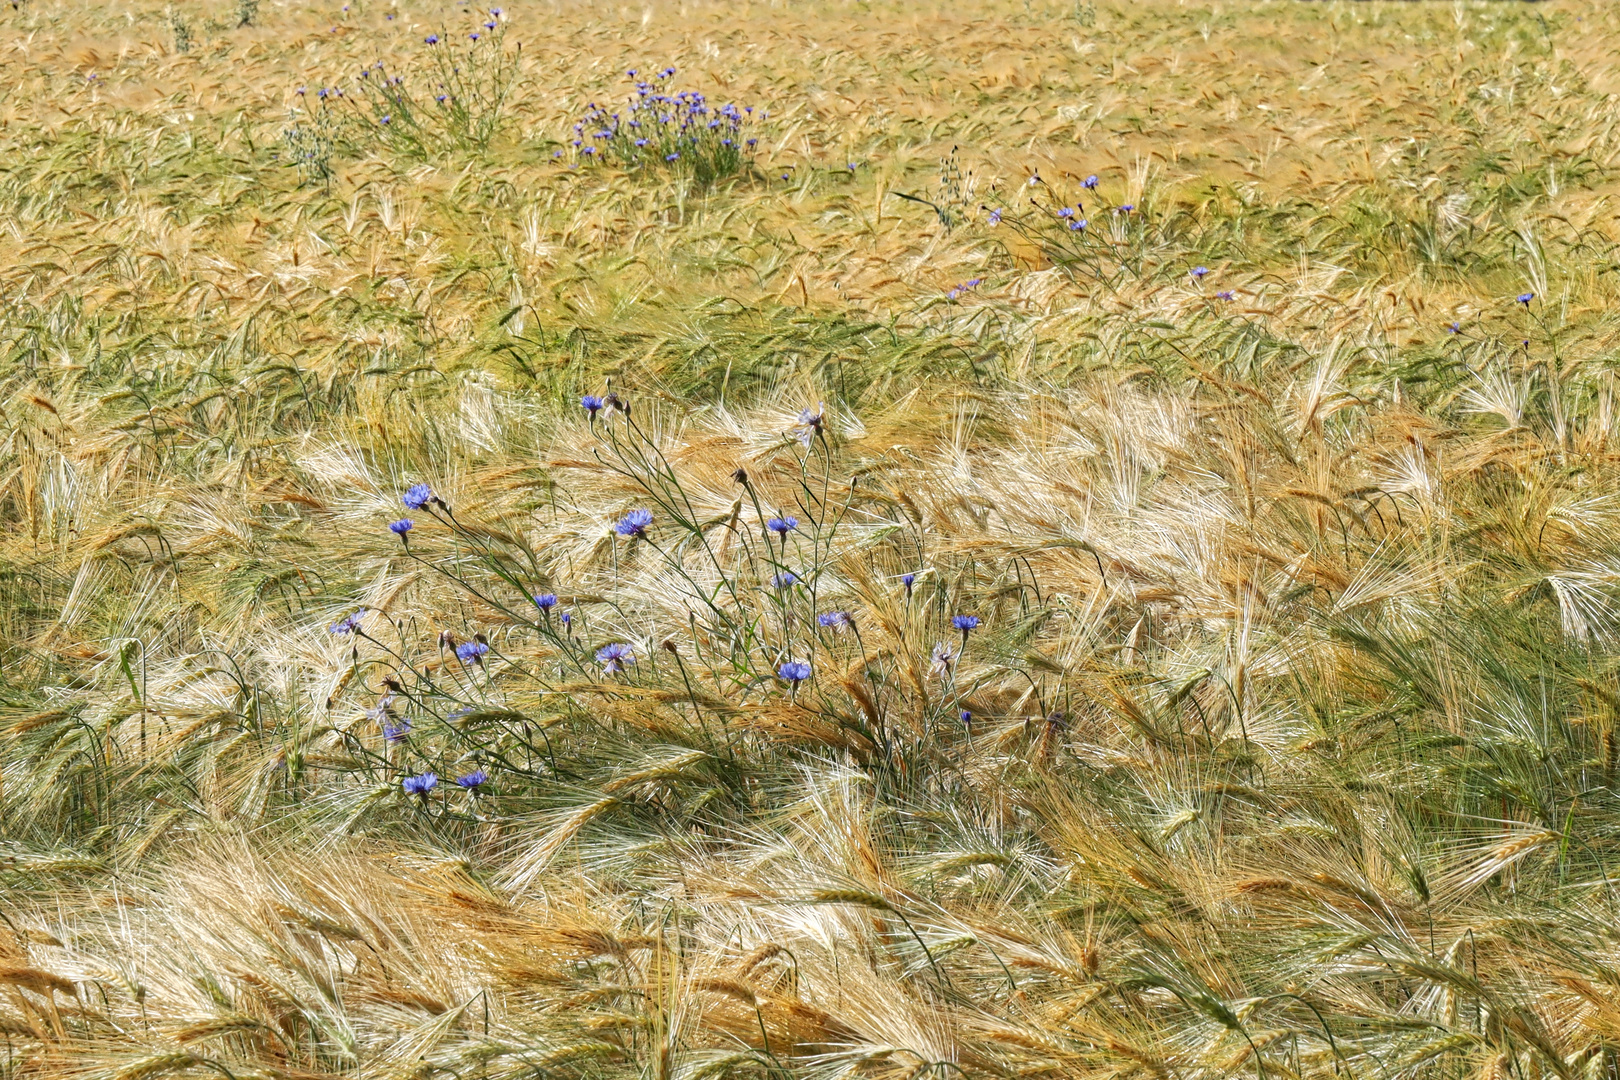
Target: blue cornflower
(1454, 328)
(835, 620)
(1078, 226)
(473, 780)
(432, 39)
(567, 618)
(995, 217)
(473, 37)
(1525, 298)
(349, 623)
(908, 580)
(1089, 183)
(591, 404)
(794, 671)
(546, 601)
(489, 26)
(590, 149)
(671, 157)
(1199, 272)
(1127, 208)
(965, 623)
(781, 526)
(397, 732)
(810, 423)
(614, 657)
(419, 785)
(641, 142)
(1224, 294)
(1066, 212)
(967, 719)
(416, 496)
(786, 579)
(471, 652)
(634, 523)
(401, 527)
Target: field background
(1291, 745)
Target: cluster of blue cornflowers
(1082, 231)
(680, 133)
(451, 95)
(765, 625)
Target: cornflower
(811, 422)
(349, 624)
(420, 785)
(634, 523)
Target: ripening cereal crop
(1037, 539)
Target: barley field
(1022, 539)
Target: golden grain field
(1061, 538)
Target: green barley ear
(850, 896)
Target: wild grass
(1284, 741)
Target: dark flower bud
(670, 647)
(740, 475)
